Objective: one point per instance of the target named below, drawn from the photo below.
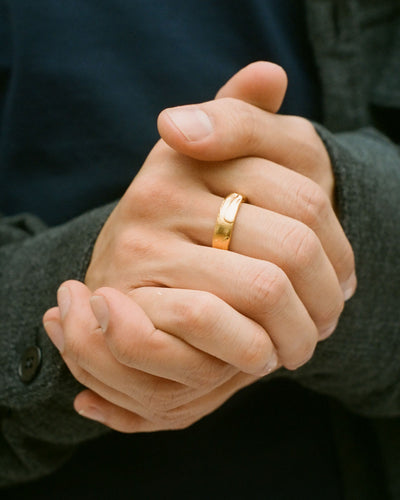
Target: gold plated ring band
(226, 220)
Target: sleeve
(360, 363)
(39, 427)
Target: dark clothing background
(269, 442)
(83, 83)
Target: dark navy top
(82, 83)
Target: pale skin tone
(184, 326)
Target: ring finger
(287, 243)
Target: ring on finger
(226, 220)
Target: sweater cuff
(359, 363)
(41, 411)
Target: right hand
(162, 373)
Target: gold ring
(226, 220)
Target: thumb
(261, 83)
(235, 123)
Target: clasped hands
(166, 328)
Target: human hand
(162, 373)
(295, 247)
(289, 141)
(294, 341)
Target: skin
(142, 378)
(180, 335)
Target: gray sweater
(357, 48)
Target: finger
(266, 185)
(116, 416)
(261, 83)
(140, 345)
(290, 194)
(289, 244)
(199, 408)
(257, 289)
(161, 354)
(162, 416)
(91, 405)
(198, 130)
(209, 324)
(229, 128)
(148, 409)
(146, 394)
(214, 131)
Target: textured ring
(226, 220)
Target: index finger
(208, 323)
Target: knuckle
(155, 195)
(249, 128)
(243, 123)
(254, 358)
(134, 243)
(159, 400)
(74, 350)
(207, 374)
(306, 141)
(155, 344)
(194, 315)
(269, 288)
(152, 345)
(156, 401)
(121, 350)
(303, 246)
(305, 127)
(313, 203)
(148, 187)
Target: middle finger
(287, 243)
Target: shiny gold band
(226, 220)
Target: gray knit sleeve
(39, 427)
(360, 363)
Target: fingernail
(349, 287)
(192, 122)
(93, 413)
(328, 331)
(100, 310)
(272, 364)
(56, 334)
(64, 300)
